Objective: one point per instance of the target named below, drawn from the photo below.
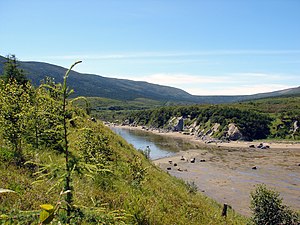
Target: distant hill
(121, 89)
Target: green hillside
(57, 165)
(273, 117)
(92, 85)
(97, 86)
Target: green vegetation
(57, 165)
(267, 208)
(90, 85)
(11, 72)
(110, 109)
(253, 125)
(273, 118)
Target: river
(160, 146)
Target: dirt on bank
(229, 175)
(228, 172)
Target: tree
(12, 73)
(15, 105)
(268, 209)
(58, 124)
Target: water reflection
(160, 146)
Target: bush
(192, 187)
(268, 209)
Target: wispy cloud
(238, 90)
(230, 84)
(178, 79)
(266, 78)
(202, 79)
(132, 55)
(260, 76)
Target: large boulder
(176, 124)
(295, 128)
(233, 132)
(179, 125)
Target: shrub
(192, 187)
(268, 209)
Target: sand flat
(228, 173)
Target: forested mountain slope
(274, 117)
(98, 86)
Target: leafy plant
(146, 152)
(192, 187)
(268, 209)
(12, 73)
(138, 171)
(2, 190)
(14, 104)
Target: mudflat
(229, 171)
(228, 175)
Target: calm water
(160, 146)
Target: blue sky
(206, 47)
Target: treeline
(253, 125)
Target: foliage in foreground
(64, 167)
(268, 209)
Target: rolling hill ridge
(92, 85)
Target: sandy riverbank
(227, 175)
(225, 171)
(231, 144)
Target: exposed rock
(213, 129)
(233, 132)
(260, 145)
(179, 126)
(176, 124)
(295, 127)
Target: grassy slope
(159, 199)
(272, 105)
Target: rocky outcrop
(176, 124)
(233, 132)
(179, 125)
(295, 127)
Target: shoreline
(228, 172)
(280, 144)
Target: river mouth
(227, 174)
